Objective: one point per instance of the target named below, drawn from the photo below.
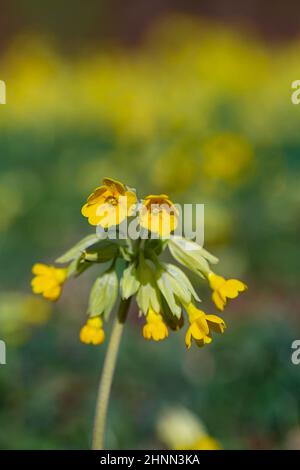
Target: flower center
(112, 200)
(155, 210)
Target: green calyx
(158, 285)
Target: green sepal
(164, 283)
(79, 248)
(173, 322)
(101, 252)
(191, 255)
(181, 284)
(155, 246)
(129, 282)
(104, 294)
(77, 267)
(148, 294)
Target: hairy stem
(107, 376)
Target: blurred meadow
(199, 109)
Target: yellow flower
(92, 332)
(155, 328)
(48, 280)
(201, 325)
(159, 215)
(180, 429)
(109, 204)
(204, 442)
(226, 157)
(223, 289)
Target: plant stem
(107, 376)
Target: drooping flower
(201, 326)
(159, 215)
(109, 204)
(155, 328)
(48, 280)
(92, 332)
(224, 289)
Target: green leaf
(79, 248)
(129, 282)
(103, 294)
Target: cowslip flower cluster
(134, 268)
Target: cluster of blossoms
(162, 290)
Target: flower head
(109, 204)
(48, 280)
(224, 289)
(159, 215)
(155, 327)
(201, 325)
(92, 332)
(162, 290)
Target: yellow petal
(97, 337)
(98, 195)
(205, 340)
(114, 185)
(52, 293)
(216, 323)
(60, 275)
(219, 302)
(146, 332)
(87, 210)
(231, 288)
(188, 338)
(95, 322)
(197, 333)
(131, 202)
(215, 281)
(40, 268)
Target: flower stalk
(107, 376)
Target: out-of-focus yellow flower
(19, 313)
(109, 204)
(92, 332)
(36, 310)
(201, 325)
(180, 429)
(155, 327)
(168, 176)
(224, 289)
(226, 157)
(159, 215)
(48, 280)
(203, 443)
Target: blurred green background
(194, 102)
